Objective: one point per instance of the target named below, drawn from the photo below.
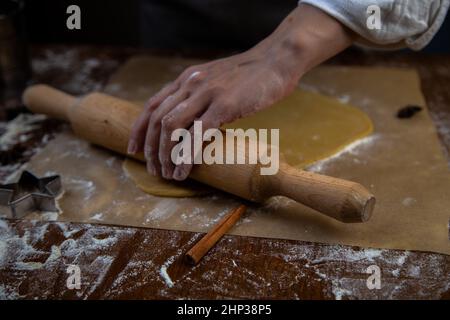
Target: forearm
(305, 38)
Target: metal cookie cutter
(29, 194)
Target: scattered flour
(408, 201)
(164, 210)
(345, 98)
(14, 172)
(78, 71)
(82, 186)
(28, 265)
(163, 271)
(353, 148)
(49, 215)
(54, 255)
(8, 292)
(339, 293)
(97, 217)
(3, 251)
(340, 270)
(201, 218)
(16, 130)
(164, 274)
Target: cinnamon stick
(196, 253)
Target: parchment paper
(401, 163)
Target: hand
(224, 90)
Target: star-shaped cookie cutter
(29, 194)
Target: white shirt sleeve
(404, 23)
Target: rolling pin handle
(41, 98)
(340, 199)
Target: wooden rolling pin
(106, 121)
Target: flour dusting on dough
(353, 148)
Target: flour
(60, 61)
(13, 176)
(24, 253)
(101, 265)
(345, 98)
(164, 210)
(354, 148)
(339, 293)
(3, 251)
(3, 225)
(408, 201)
(15, 131)
(54, 255)
(277, 202)
(28, 266)
(82, 186)
(165, 275)
(104, 242)
(8, 292)
(199, 217)
(78, 70)
(339, 270)
(163, 271)
(97, 217)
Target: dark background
(214, 24)
(102, 22)
(151, 23)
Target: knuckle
(195, 78)
(168, 123)
(168, 99)
(190, 70)
(181, 107)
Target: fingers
(172, 108)
(139, 128)
(208, 120)
(153, 134)
(182, 116)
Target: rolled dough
(312, 127)
(157, 186)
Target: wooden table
(138, 263)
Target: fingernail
(147, 153)
(132, 147)
(179, 174)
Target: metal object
(29, 194)
(15, 68)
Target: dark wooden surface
(119, 262)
